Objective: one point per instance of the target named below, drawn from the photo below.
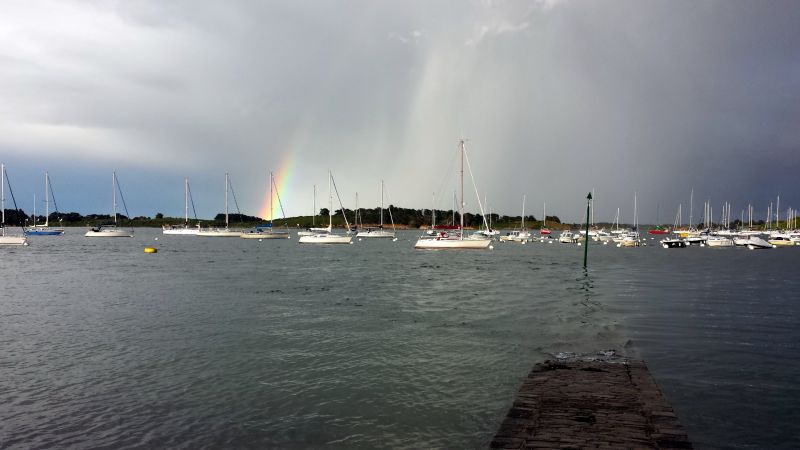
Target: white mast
(461, 209)
(544, 214)
(691, 208)
(330, 204)
(314, 211)
(34, 209)
(270, 200)
(186, 201)
(46, 200)
(114, 194)
(778, 213)
(523, 211)
(226, 200)
(381, 204)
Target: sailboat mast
(314, 211)
(186, 200)
(3, 197)
(330, 203)
(114, 195)
(523, 211)
(544, 215)
(691, 208)
(270, 199)
(46, 199)
(461, 209)
(226, 200)
(34, 209)
(381, 203)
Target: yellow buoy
(150, 250)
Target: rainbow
(283, 177)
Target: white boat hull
(108, 233)
(719, 242)
(264, 235)
(375, 234)
(13, 240)
(476, 244)
(219, 233)
(182, 231)
(325, 239)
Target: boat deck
(590, 404)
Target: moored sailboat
(7, 238)
(221, 232)
(378, 232)
(456, 240)
(44, 229)
(111, 230)
(328, 237)
(184, 229)
(267, 231)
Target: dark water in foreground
(232, 343)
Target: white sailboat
(268, 231)
(111, 230)
(7, 238)
(314, 229)
(221, 232)
(521, 235)
(328, 237)
(44, 229)
(455, 240)
(184, 229)
(378, 232)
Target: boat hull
(219, 233)
(719, 242)
(673, 243)
(13, 240)
(257, 235)
(182, 231)
(325, 239)
(109, 233)
(375, 234)
(473, 244)
(47, 232)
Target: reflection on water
(237, 343)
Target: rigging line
(340, 202)
(191, 199)
(389, 208)
(122, 197)
(280, 204)
(241, 219)
(11, 191)
(52, 194)
(483, 215)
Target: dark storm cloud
(556, 97)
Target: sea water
(234, 343)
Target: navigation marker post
(586, 243)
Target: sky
(554, 97)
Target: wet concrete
(591, 403)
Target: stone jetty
(590, 403)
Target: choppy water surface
(225, 342)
